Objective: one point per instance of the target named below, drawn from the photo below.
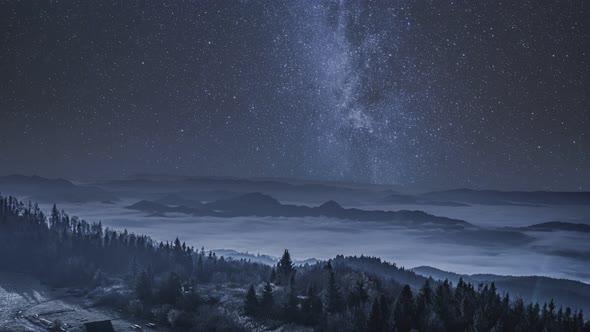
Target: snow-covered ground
(17, 293)
(25, 305)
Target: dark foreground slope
(191, 290)
(532, 288)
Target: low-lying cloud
(482, 251)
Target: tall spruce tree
(285, 268)
(424, 304)
(444, 304)
(267, 301)
(171, 290)
(143, 287)
(359, 295)
(251, 305)
(55, 217)
(385, 311)
(291, 310)
(404, 313)
(333, 296)
(376, 321)
(311, 307)
(273, 275)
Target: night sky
(480, 94)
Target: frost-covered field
(26, 305)
(17, 293)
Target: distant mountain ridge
(52, 190)
(496, 197)
(214, 188)
(397, 198)
(176, 200)
(157, 208)
(557, 226)
(258, 204)
(296, 191)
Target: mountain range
(261, 205)
(210, 189)
(52, 190)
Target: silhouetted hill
(531, 288)
(176, 200)
(263, 205)
(52, 190)
(495, 197)
(258, 204)
(483, 237)
(331, 207)
(416, 200)
(283, 189)
(157, 208)
(558, 226)
(245, 203)
(381, 268)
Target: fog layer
(553, 254)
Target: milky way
(359, 123)
(435, 94)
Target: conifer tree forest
(178, 285)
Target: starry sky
(479, 94)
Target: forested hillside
(190, 289)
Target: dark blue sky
(433, 93)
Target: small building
(99, 326)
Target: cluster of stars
(478, 94)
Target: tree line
(190, 289)
(367, 304)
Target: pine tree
(333, 296)
(312, 307)
(55, 217)
(551, 313)
(285, 268)
(177, 247)
(267, 301)
(273, 275)
(172, 289)
(385, 312)
(358, 319)
(251, 304)
(291, 311)
(200, 268)
(143, 287)
(404, 310)
(444, 303)
(376, 321)
(359, 296)
(424, 304)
